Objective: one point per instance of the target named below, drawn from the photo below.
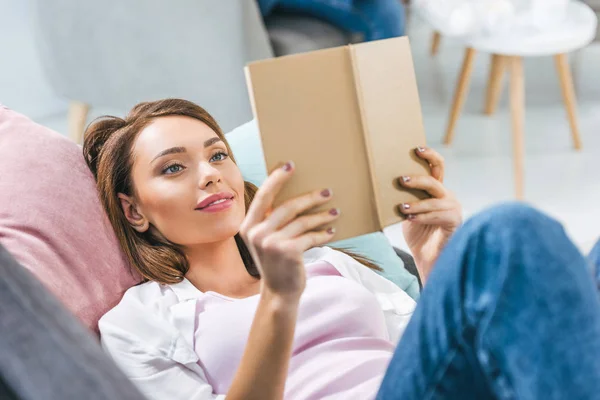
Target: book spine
(375, 189)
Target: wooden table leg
(460, 93)
(494, 89)
(435, 43)
(568, 93)
(517, 106)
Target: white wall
(23, 86)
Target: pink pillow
(52, 222)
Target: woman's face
(185, 184)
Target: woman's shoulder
(347, 266)
(146, 326)
(350, 268)
(324, 253)
(147, 295)
(344, 263)
(143, 308)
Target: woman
(240, 302)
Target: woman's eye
(220, 156)
(172, 169)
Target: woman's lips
(217, 206)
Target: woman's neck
(219, 267)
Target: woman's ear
(134, 216)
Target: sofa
(61, 267)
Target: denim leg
(45, 354)
(509, 312)
(383, 19)
(594, 259)
(375, 19)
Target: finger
(263, 200)
(427, 205)
(427, 183)
(308, 223)
(435, 160)
(289, 210)
(436, 218)
(313, 239)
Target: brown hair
(107, 150)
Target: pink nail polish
(406, 179)
(326, 193)
(411, 216)
(334, 211)
(288, 166)
(406, 206)
(331, 231)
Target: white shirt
(150, 333)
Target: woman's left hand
(430, 222)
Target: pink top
(341, 345)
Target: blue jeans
(375, 19)
(509, 312)
(594, 259)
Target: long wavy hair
(107, 150)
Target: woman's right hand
(277, 238)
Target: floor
(559, 180)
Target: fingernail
(411, 216)
(406, 179)
(406, 206)
(288, 166)
(331, 231)
(326, 193)
(334, 211)
(421, 149)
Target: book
(350, 119)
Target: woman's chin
(223, 229)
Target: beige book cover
(350, 118)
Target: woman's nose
(208, 175)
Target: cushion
(266, 6)
(247, 149)
(52, 222)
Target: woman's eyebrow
(175, 150)
(172, 150)
(212, 141)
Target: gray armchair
(117, 53)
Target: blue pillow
(247, 150)
(266, 6)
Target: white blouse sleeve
(152, 355)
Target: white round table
(577, 30)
